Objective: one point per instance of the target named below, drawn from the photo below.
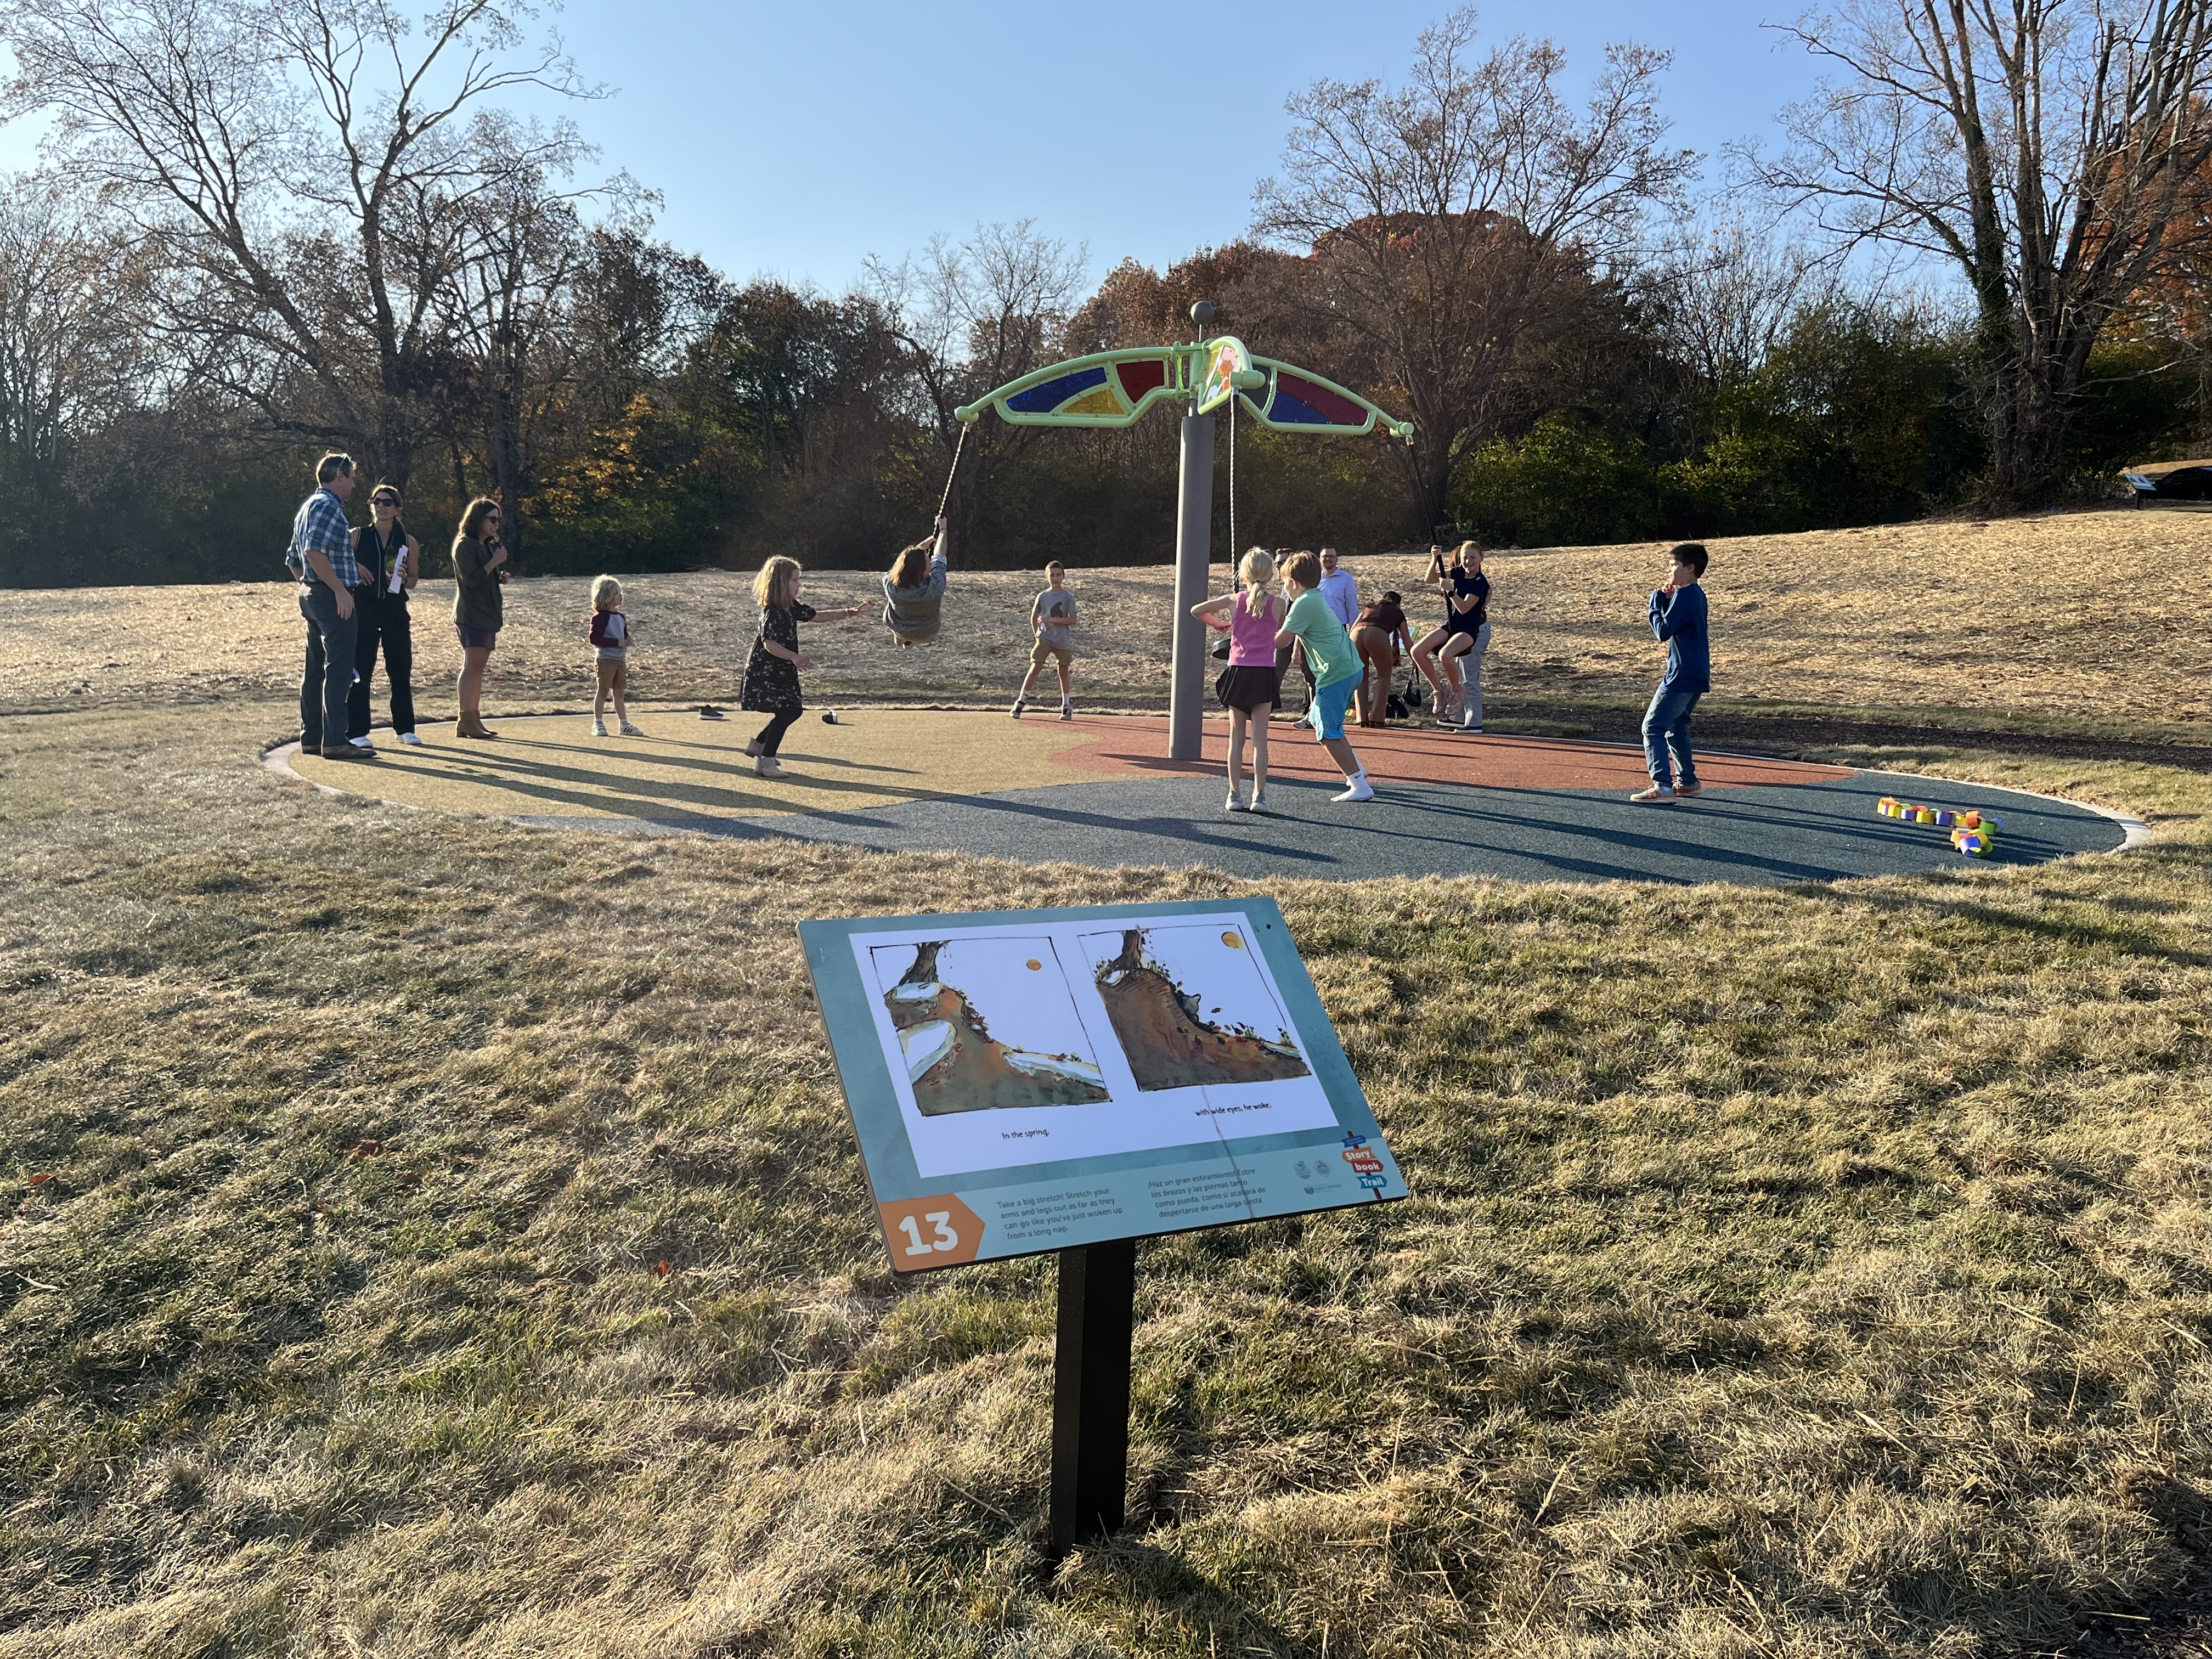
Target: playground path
(2102, 616)
(1098, 790)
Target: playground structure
(1115, 389)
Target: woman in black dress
(771, 684)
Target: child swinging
(914, 592)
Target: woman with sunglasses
(390, 564)
(478, 610)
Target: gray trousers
(327, 682)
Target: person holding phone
(1681, 621)
(479, 608)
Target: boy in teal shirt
(1334, 662)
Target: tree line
(266, 231)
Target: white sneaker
(1655, 796)
(598, 728)
(413, 740)
(1232, 804)
(766, 766)
(1259, 801)
(1067, 711)
(629, 731)
(1359, 790)
(363, 743)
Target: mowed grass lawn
(423, 1236)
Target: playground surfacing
(1098, 790)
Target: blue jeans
(1666, 728)
(327, 683)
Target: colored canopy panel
(1301, 402)
(1146, 374)
(1108, 388)
(1067, 388)
(1113, 388)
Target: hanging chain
(945, 499)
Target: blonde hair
(1256, 568)
(1303, 568)
(604, 591)
(1466, 548)
(772, 586)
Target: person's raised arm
(1215, 613)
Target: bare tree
(972, 316)
(499, 257)
(264, 150)
(2042, 148)
(1451, 216)
(70, 358)
(1722, 295)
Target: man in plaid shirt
(321, 556)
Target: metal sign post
(1090, 1393)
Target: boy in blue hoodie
(1679, 618)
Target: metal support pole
(1090, 1392)
(1193, 554)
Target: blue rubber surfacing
(1763, 835)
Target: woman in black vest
(390, 564)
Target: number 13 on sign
(946, 1239)
(937, 1231)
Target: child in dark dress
(771, 683)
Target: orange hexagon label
(922, 1233)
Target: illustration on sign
(953, 1062)
(1166, 991)
(1031, 1080)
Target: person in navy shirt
(1678, 617)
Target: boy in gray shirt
(1050, 619)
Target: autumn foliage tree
(1453, 217)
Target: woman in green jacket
(477, 608)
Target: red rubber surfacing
(1133, 746)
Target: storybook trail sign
(1073, 1080)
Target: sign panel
(1030, 1080)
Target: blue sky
(796, 139)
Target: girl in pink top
(1250, 686)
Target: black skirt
(1248, 686)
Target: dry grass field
(422, 1236)
(2101, 617)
